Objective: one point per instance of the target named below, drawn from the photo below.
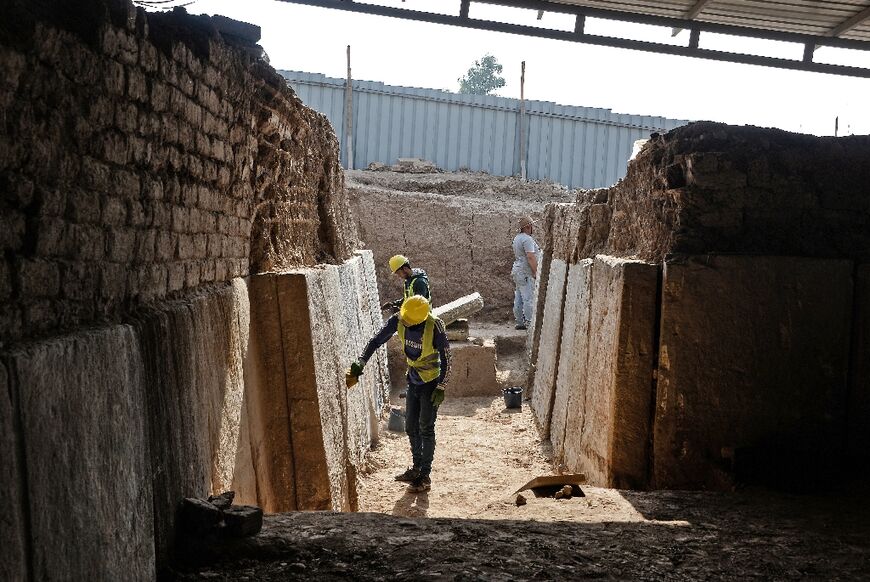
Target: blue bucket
(513, 397)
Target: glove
(438, 396)
(351, 377)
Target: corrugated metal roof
(814, 17)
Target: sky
(403, 52)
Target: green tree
(483, 78)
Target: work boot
(420, 484)
(409, 476)
(520, 326)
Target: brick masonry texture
(713, 188)
(145, 155)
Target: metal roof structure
(810, 23)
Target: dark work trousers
(420, 424)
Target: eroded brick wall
(712, 188)
(144, 155)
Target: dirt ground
(468, 527)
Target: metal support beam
(850, 23)
(694, 38)
(809, 49)
(610, 41)
(693, 12)
(463, 9)
(579, 24)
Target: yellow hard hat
(397, 262)
(414, 310)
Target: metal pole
(348, 116)
(523, 122)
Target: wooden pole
(348, 116)
(523, 122)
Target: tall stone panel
(193, 352)
(573, 354)
(753, 357)
(548, 345)
(13, 549)
(296, 397)
(83, 425)
(373, 302)
(266, 431)
(608, 423)
(321, 397)
(859, 389)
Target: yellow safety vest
(409, 289)
(428, 365)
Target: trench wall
(463, 243)
(144, 155)
(153, 166)
(754, 244)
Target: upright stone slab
(266, 417)
(13, 553)
(548, 349)
(859, 389)
(323, 397)
(193, 352)
(83, 427)
(574, 351)
(753, 355)
(608, 422)
(294, 407)
(380, 364)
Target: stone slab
(374, 310)
(859, 389)
(608, 422)
(13, 552)
(193, 352)
(574, 351)
(271, 483)
(329, 407)
(753, 354)
(472, 369)
(83, 425)
(548, 349)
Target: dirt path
(469, 528)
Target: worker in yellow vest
(414, 281)
(427, 353)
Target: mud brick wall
(712, 188)
(463, 243)
(143, 155)
(765, 240)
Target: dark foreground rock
(684, 536)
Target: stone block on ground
(85, 440)
(13, 555)
(753, 357)
(242, 520)
(472, 369)
(574, 351)
(607, 427)
(548, 346)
